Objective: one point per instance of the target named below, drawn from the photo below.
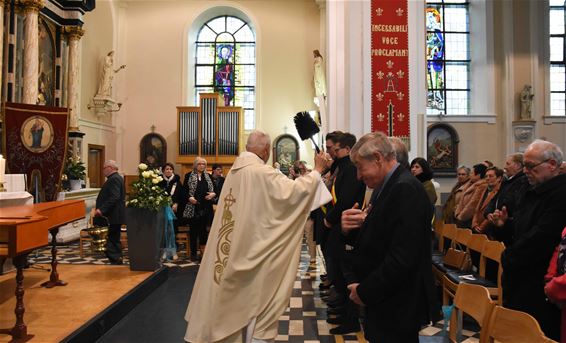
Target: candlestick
(2, 168)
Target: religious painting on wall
(153, 150)
(442, 149)
(285, 152)
(46, 79)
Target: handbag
(458, 258)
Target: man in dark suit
(110, 204)
(390, 266)
(536, 227)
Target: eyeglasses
(531, 166)
(462, 174)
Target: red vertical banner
(390, 68)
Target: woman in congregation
(467, 205)
(199, 191)
(493, 177)
(422, 171)
(462, 183)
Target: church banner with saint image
(35, 143)
(390, 68)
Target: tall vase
(145, 230)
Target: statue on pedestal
(105, 86)
(526, 102)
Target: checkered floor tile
(304, 321)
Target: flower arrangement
(145, 191)
(74, 169)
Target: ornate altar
(211, 131)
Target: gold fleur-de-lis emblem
(390, 64)
(379, 11)
(400, 74)
(379, 74)
(400, 95)
(400, 116)
(379, 97)
(389, 75)
(380, 117)
(399, 12)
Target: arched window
(225, 63)
(557, 59)
(448, 57)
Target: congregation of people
(376, 233)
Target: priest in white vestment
(246, 276)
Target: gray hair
(549, 150)
(371, 143)
(197, 160)
(468, 170)
(401, 153)
(517, 158)
(112, 164)
(257, 140)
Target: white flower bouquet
(145, 191)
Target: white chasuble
(252, 253)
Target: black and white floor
(304, 320)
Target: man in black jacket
(110, 204)
(391, 261)
(537, 226)
(513, 187)
(346, 190)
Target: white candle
(2, 168)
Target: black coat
(538, 223)
(509, 195)
(392, 257)
(111, 199)
(348, 190)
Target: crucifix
(390, 114)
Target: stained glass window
(225, 64)
(448, 57)
(557, 59)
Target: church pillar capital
(73, 31)
(31, 5)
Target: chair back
(448, 235)
(473, 300)
(492, 250)
(510, 326)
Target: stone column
(74, 33)
(1, 44)
(31, 49)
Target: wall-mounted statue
(526, 102)
(319, 76)
(105, 86)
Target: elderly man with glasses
(536, 227)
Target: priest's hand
(353, 218)
(193, 201)
(320, 162)
(353, 287)
(98, 213)
(210, 196)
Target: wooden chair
(124, 236)
(448, 234)
(510, 326)
(474, 245)
(183, 238)
(492, 251)
(474, 300)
